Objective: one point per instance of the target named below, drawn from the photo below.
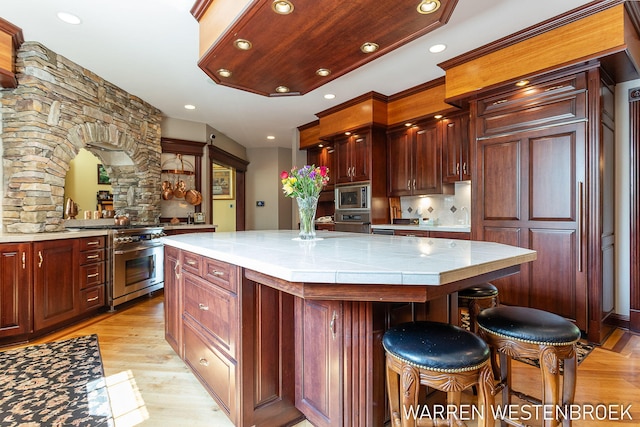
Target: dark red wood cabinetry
(324, 156)
(172, 299)
(15, 289)
(455, 155)
(92, 273)
(544, 171)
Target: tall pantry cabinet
(544, 180)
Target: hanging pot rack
(176, 166)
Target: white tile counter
(353, 258)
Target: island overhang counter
(279, 329)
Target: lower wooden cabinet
(56, 290)
(15, 289)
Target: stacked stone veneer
(58, 108)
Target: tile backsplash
(445, 209)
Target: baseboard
(617, 320)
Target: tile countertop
(339, 257)
(454, 228)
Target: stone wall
(58, 108)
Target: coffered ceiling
(290, 47)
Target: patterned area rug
(54, 384)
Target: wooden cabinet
(435, 234)
(324, 156)
(56, 291)
(455, 156)
(543, 174)
(353, 157)
(414, 160)
(172, 299)
(15, 289)
(319, 340)
(92, 273)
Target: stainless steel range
(137, 263)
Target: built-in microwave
(353, 196)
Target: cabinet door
(172, 300)
(456, 149)
(428, 160)
(343, 160)
(56, 290)
(318, 335)
(15, 289)
(399, 154)
(323, 157)
(360, 156)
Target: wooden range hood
(287, 50)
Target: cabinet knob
(89, 276)
(203, 307)
(191, 262)
(93, 256)
(203, 361)
(218, 273)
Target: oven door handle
(136, 249)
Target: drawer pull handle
(92, 275)
(203, 361)
(93, 243)
(191, 262)
(203, 307)
(92, 299)
(40, 259)
(93, 256)
(218, 273)
(176, 269)
(332, 325)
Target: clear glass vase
(307, 210)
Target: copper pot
(166, 184)
(180, 190)
(167, 194)
(193, 197)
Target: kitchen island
(279, 329)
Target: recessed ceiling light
(223, 72)
(323, 72)
(320, 145)
(437, 48)
(522, 83)
(282, 7)
(369, 47)
(69, 18)
(408, 124)
(437, 116)
(271, 137)
(190, 107)
(329, 96)
(428, 6)
(282, 89)
(242, 44)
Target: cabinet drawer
(219, 273)
(215, 309)
(92, 298)
(91, 275)
(192, 263)
(88, 257)
(450, 235)
(91, 243)
(217, 373)
(411, 233)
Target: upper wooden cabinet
(455, 148)
(353, 157)
(10, 40)
(414, 160)
(324, 156)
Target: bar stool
(475, 299)
(439, 355)
(528, 332)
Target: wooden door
(343, 159)
(319, 348)
(361, 156)
(399, 162)
(15, 289)
(531, 194)
(455, 149)
(427, 174)
(56, 291)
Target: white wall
(622, 198)
(263, 184)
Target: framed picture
(103, 176)
(222, 185)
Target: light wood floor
(149, 385)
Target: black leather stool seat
(436, 346)
(485, 290)
(528, 325)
